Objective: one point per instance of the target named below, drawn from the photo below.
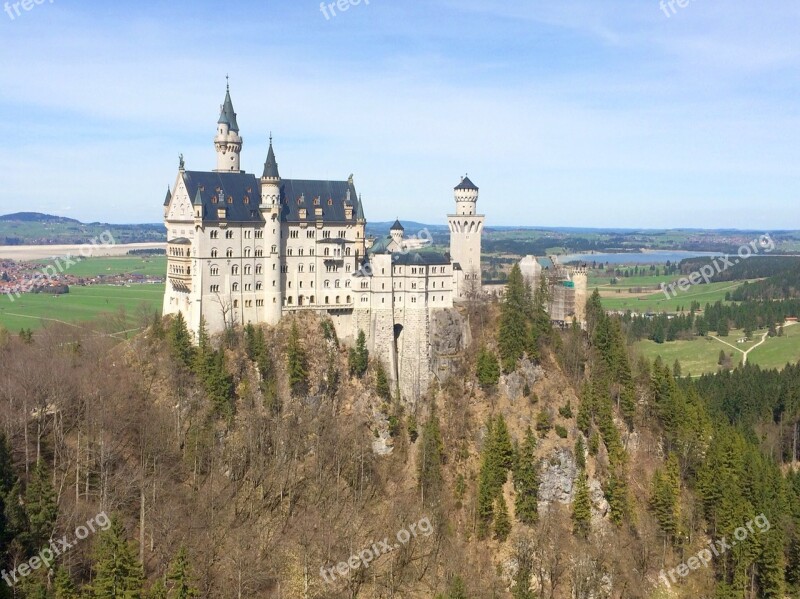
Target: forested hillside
(277, 462)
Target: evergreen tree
(488, 368)
(158, 590)
(502, 522)
(513, 330)
(40, 505)
(117, 573)
(382, 386)
(665, 497)
(457, 589)
(358, 359)
(582, 508)
(431, 457)
(180, 340)
(179, 577)
(580, 453)
(296, 356)
(63, 587)
(526, 481)
(497, 458)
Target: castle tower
(227, 142)
(466, 228)
(580, 278)
(271, 211)
(396, 233)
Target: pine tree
(296, 356)
(117, 573)
(665, 497)
(502, 522)
(382, 387)
(487, 368)
(157, 590)
(180, 340)
(526, 481)
(63, 587)
(40, 505)
(582, 508)
(179, 577)
(431, 457)
(358, 359)
(457, 589)
(580, 453)
(513, 331)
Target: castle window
(235, 269)
(274, 249)
(311, 267)
(228, 234)
(348, 299)
(330, 203)
(213, 199)
(235, 287)
(338, 299)
(316, 201)
(214, 289)
(236, 303)
(247, 269)
(289, 252)
(259, 268)
(214, 253)
(326, 234)
(327, 252)
(246, 252)
(246, 199)
(214, 271)
(347, 252)
(230, 198)
(259, 286)
(327, 300)
(326, 284)
(300, 252)
(311, 233)
(311, 300)
(336, 283)
(300, 268)
(229, 253)
(259, 234)
(247, 234)
(214, 234)
(347, 283)
(248, 287)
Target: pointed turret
(227, 115)
(360, 210)
(271, 165)
(227, 142)
(168, 199)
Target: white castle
(243, 249)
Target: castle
(243, 249)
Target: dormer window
(246, 199)
(330, 202)
(230, 199)
(316, 201)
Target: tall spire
(271, 166)
(227, 114)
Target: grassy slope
(658, 302)
(145, 265)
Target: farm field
(82, 304)
(620, 299)
(701, 355)
(143, 265)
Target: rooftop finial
(270, 138)
(227, 83)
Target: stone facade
(243, 249)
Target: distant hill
(35, 228)
(37, 217)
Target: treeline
(719, 318)
(757, 266)
(783, 285)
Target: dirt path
(745, 353)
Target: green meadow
(120, 306)
(90, 267)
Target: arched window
(235, 287)
(247, 269)
(259, 285)
(214, 252)
(229, 253)
(259, 268)
(235, 269)
(214, 271)
(326, 284)
(247, 252)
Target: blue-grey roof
(271, 166)
(420, 258)
(332, 195)
(227, 115)
(180, 241)
(242, 188)
(466, 184)
(360, 209)
(380, 246)
(168, 199)
(397, 226)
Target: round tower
(228, 142)
(466, 228)
(271, 212)
(396, 233)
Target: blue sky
(564, 113)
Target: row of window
(248, 234)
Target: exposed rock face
(449, 336)
(600, 506)
(558, 475)
(514, 383)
